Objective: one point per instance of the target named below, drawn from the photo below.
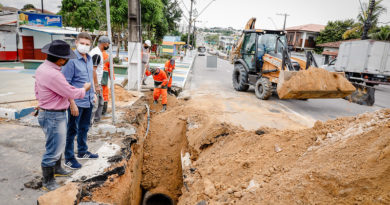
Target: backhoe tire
(263, 88)
(240, 78)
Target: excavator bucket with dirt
(313, 83)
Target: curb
(192, 63)
(14, 114)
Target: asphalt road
(315, 109)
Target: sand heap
(313, 83)
(342, 161)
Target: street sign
(33, 19)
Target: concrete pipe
(157, 199)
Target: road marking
(5, 94)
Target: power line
(182, 2)
(273, 22)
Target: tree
(334, 31)
(378, 10)
(172, 13)
(119, 11)
(382, 35)
(212, 39)
(84, 14)
(159, 17)
(27, 7)
(184, 38)
(357, 30)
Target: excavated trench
(153, 171)
(162, 170)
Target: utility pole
(367, 23)
(189, 24)
(285, 19)
(42, 5)
(194, 34)
(111, 61)
(134, 45)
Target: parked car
(330, 66)
(201, 51)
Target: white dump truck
(366, 63)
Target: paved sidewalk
(181, 71)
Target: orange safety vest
(160, 78)
(168, 67)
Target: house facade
(303, 37)
(23, 35)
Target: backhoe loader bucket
(313, 83)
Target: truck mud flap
(364, 95)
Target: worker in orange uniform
(169, 67)
(106, 74)
(160, 85)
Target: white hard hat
(147, 42)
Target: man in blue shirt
(77, 72)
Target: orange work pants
(170, 82)
(106, 91)
(163, 92)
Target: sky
(235, 13)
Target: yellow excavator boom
(236, 50)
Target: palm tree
(357, 29)
(376, 12)
(382, 35)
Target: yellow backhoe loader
(261, 59)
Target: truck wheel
(240, 78)
(263, 88)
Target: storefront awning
(50, 30)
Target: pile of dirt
(123, 95)
(346, 160)
(313, 83)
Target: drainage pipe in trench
(157, 199)
(147, 127)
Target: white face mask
(83, 49)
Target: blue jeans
(78, 126)
(53, 125)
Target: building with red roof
(304, 36)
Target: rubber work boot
(104, 108)
(164, 108)
(59, 171)
(48, 181)
(155, 102)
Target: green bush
(166, 56)
(158, 60)
(116, 60)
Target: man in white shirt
(145, 59)
(97, 59)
